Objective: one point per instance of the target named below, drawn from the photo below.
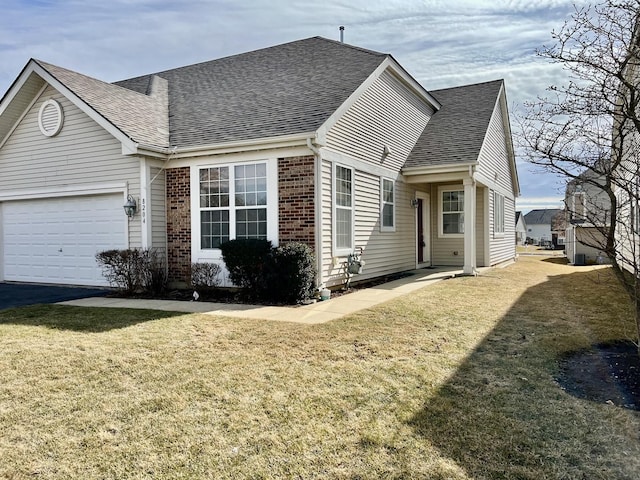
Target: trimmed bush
(245, 260)
(291, 273)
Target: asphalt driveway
(18, 295)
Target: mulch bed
(606, 373)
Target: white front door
(55, 240)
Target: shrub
(291, 273)
(153, 272)
(134, 269)
(205, 275)
(245, 260)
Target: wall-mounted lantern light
(415, 202)
(130, 207)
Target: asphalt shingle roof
(283, 90)
(455, 133)
(141, 117)
(541, 217)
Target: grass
(455, 381)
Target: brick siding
(179, 224)
(296, 200)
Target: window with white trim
(387, 205)
(498, 213)
(451, 212)
(233, 203)
(343, 209)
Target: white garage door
(55, 240)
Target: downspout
(318, 209)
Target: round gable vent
(50, 118)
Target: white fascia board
(510, 150)
(256, 144)
(127, 143)
(390, 64)
(413, 84)
(437, 169)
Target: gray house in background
(541, 226)
(312, 141)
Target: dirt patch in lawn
(607, 373)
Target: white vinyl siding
(495, 165)
(384, 252)
(81, 155)
(158, 214)
(388, 114)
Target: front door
(422, 237)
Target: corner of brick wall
(296, 200)
(178, 224)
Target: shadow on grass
(80, 319)
(502, 414)
(557, 260)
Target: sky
(441, 43)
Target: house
(588, 214)
(542, 228)
(521, 229)
(314, 141)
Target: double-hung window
(233, 203)
(343, 210)
(498, 213)
(387, 205)
(451, 212)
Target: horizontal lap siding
(158, 209)
(387, 114)
(384, 252)
(83, 153)
(495, 165)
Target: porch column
(469, 226)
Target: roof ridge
(47, 65)
(280, 45)
(497, 80)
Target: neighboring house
(588, 211)
(626, 159)
(312, 141)
(542, 228)
(521, 229)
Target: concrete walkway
(319, 312)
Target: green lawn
(455, 381)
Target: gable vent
(50, 118)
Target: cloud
(441, 43)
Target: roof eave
(436, 169)
(254, 144)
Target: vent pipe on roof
(341, 34)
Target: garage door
(55, 240)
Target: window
(387, 205)
(498, 213)
(452, 212)
(233, 203)
(343, 218)
(578, 211)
